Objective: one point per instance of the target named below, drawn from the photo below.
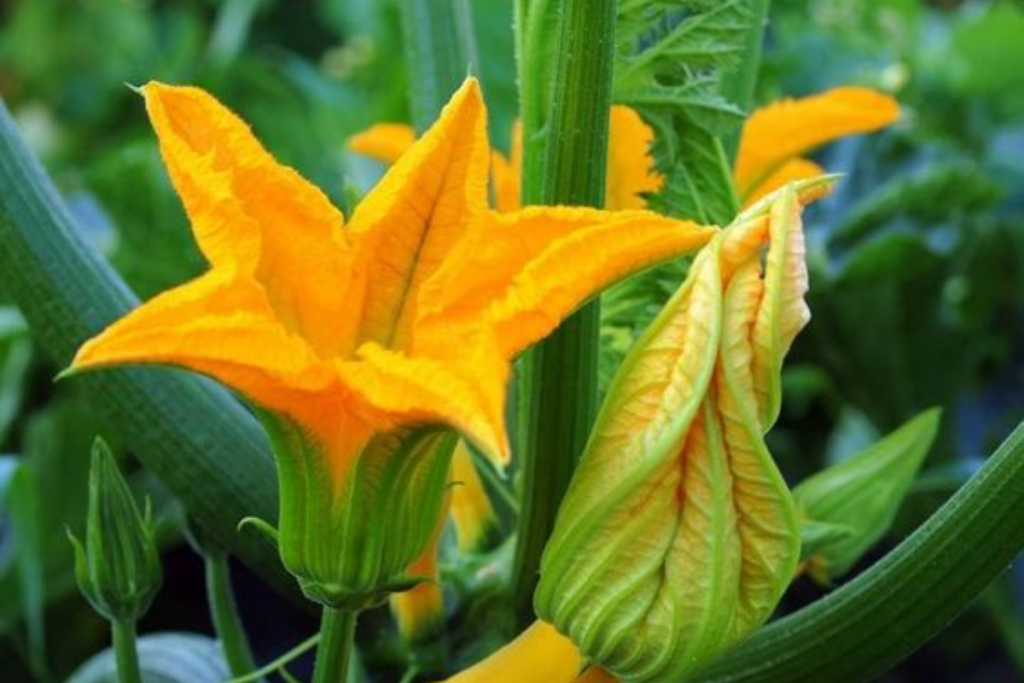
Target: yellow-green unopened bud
(349, 539)
(118, 569)
(678, 535)
(862, 495)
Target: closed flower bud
(118, 568)
(678, 534)
(860, 496)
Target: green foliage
(672, 56)
(915, 591)
(861, 495)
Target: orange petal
(505, 177)
(471, 509)
(397, 389)
(407, 225)
(583, 252)
(248, 210)
(794, 169)
(385, 142)
(789, 128)
(539, 655)
(419, 611)
(631, 172)
(596, 674)
(219, 325)
(783, 311)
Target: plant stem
(125, 653)
(337, 633)
(226, 621)
(559, 387)
(738, 86)
(440, 52)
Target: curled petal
(678, 535)
(790, 128)
(539, 655)
(536, 266)
(396, 390)
(250, 211)
(792, 170)
(406, 227)
(631, 171)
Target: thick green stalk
(868, 625)
(226, 621)
(125, 653)
(738, 86)
(201, 443)
(559, 387)
(440, 53)
(337, 634)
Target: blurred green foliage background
(917, 260)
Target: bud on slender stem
(118, 568)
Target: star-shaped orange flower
(409, 316)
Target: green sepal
(863, 494)
(263, 527)
(118, 568)
(349, 536)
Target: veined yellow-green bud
(118, 569)
(678, 535)
(348, 531)
(859, 497)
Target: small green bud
(118, 569)
(861, 496)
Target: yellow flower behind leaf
(362, 344)
(776, 136)
(630, 174)
(476, 525)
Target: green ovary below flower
(366, 346)
(678, 534)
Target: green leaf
(868, 625)
(164, 658)
(863, 494)
(194, 436)
(24, 506)
(439, 51)
(671, 58)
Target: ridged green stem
(125, 653)
(440, 53)
(224, 612)
(337, 634)
(559, 389)
(871, 623)
(739, 86)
